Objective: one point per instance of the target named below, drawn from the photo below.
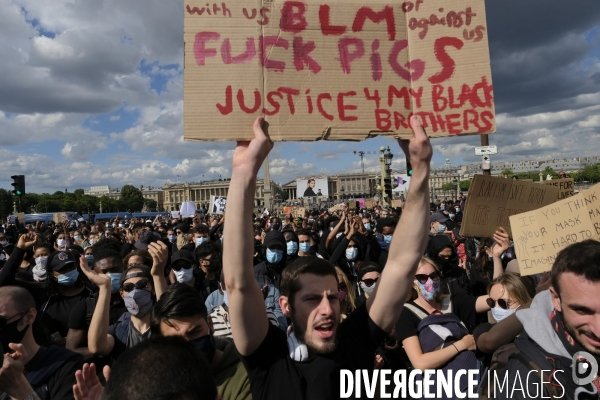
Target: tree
(550, 171)
(449, 186)
(152, 205)
(507, 172)
(79, 192)
(465, 185)
(131, 198)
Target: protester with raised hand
(310, 294)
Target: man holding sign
(309, 290)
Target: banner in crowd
(566, 187)
(288, 209)
(336, 70)
(491, 201)
(58, 218)
(217, 204)
(188, 209)
(351, 204)
(311, 187)
(370, 204)
(361, 203)
(541, 234)
(175, 214)
(401, 183)
(298, 212)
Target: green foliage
(449, 186)
(152, 205)
(507, 172)
(465, 185)
(132, 199)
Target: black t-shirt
(463, 306)
(59, 386)
(78, 319)
(274, 375)
(58, 312)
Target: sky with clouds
(91, 93)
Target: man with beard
(306, 363)
(560, 322)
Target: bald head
(18, 297)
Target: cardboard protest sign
(288, 209)
(566, 186)
(336, 70)
(491, 201)
(396, 203)
(298, 212)
(58, 218)
(369, 204)
(175, 214)
(541, 234)
(218, 204)
(352, 204)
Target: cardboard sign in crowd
(336, 70)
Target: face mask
(60, 242)
(121, 225)
(311, 221)
(366, 289)
(367, 227)
(274, 256)
(109, 226)
(205, 346)
(442, 208)
(138, 302)
(92, 241)
(10, 334)
(68, 279)
(172, 238)
(351, 253)
(41, 262)
(441, 228)
(452, 216)
(4, 243)
(276, 227)
(201, 240)
(499, 313)
(214, 265)
(428, 290)
(184, 275)
(90, 260)
(39, 274)
(342, 294)
(305, 247)
(115, 281)
(76, 237)
(387, 238)
(458, 210)
(292, 248)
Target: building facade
(201, 192)
(152, 193)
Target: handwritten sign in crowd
(541, 234)
(565, 185)
(335, 69)
(491, 201)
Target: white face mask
(41, 262)
(351, 253)
(500, 313)
(184, 275)
(60, 242)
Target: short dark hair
(388, 221)
(107, 253)
(582, 259)
(201, 229)
(206, 249)
(290, 284)
(172, 367)
(303, 232)
(366, 267)
(178, 301)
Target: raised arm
(502, 243)
(246, 302)
(160, 254)
(410, 238)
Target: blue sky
(91, 94)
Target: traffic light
(409, 170)
(18, 184)
(387, 187)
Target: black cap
(146, 237)
(438, 217)
(184, 227)
(182, 255)
(59, 259)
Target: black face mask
(276, 227)
(214, 265)
(10, 334)
(205, 345)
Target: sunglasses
(422, 278)
(141, 284)
(502, 303)
(369, 282)
(178, 267)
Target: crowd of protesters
(267, 306)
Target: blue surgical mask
(90, 260)
(76, 237)
(305, 247)
(442, 208)
(68, 279)
(452, 215)
(387, 238)
(499, 313)
(115, 281)
(458, 210)
(441, 228)
(201, 240)
(274, 256)
(172, 238)
(292, 247)
(351, 253)
(367, 227)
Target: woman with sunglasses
(428, 305)
(347, 294)
(368, 278)
(140, 287)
